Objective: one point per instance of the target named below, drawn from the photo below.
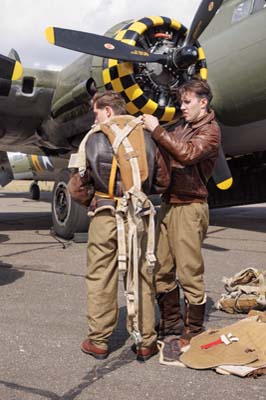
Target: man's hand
(149, 122)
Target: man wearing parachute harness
(193, 148)
(122, 164)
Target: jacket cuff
(157, 132)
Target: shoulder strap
(127, 138)
(131, 156)
(78, 160)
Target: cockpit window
(28, 85)
(241, 11)
(258, 5)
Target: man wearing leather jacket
(183, 223)
(102, 274)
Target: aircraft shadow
(23, 221)
(246, 217)
(4, 238)
(8, 274)
(44, 196)
(252, 218)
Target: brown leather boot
(171, 321)
(194, 318)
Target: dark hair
(111, 99)
(198, 86)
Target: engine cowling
(150, 87)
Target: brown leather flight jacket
(99, 153)
(194, 151)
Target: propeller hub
(185, 56)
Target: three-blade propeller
(106, 47)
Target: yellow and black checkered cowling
(119, 76)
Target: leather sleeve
(203, 144)
(81, 189)
(161, 179)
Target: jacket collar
(204, 120)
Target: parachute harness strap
(80, 160)
(133, 207)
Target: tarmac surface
(43, 313)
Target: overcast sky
(23, 23)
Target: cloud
(23, 23)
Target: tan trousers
(102, 284)
(181, 230)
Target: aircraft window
(241, 11)
(258, 5)
(28, 85)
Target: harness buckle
(136, 336)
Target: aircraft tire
(68, 216)
(35, 192)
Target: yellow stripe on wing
(36, 163)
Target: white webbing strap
(145, 208)
(133, 207)
(121, 137)
(78, 160)
(121, 234)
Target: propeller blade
(14, 55)
(101, 46)
(222, 174)
(205, 13)
(10, 69)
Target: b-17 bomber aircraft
(146, 60)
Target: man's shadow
(8, 274)
(210, 308)
(120, 335)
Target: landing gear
(35, 191)
(67, 215)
